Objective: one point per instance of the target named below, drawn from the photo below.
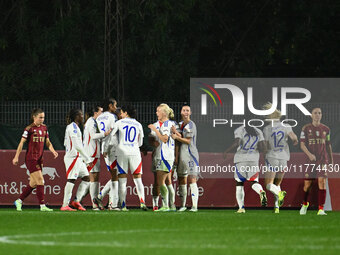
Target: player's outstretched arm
(294, 138)
(232, 148)
(262, 147)
(50, 147)
(181, 139)
(307, 152)
(19, 149)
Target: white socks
(105, 190)
(155, 201)
(276, 198)
(240, 196)
(140, 189)
(94, 190)
(257, 188)
(67, 193)
(113, 196)
(183, 194)
(122, 191)
(164, 194)
(82, 190)
(194, 194)
(273, 188)
(171, 192)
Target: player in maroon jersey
(315, 143)
(36, 134)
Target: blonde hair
(275, 115)
(167, 110)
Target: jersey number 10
(128, 134)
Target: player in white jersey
(91, 142)
(106, 121)
(188, 167)
(163, 158)
(276, 136)
(248, 141)
(75, 160)
(130, 138)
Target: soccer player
(188, 166)
(76, 159)
(248, 141)
(37, 135)
(163, 158)
(91, 142)
(106, 121)
(315, 143)
(276, 136)
(130, 133)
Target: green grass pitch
(137, 232)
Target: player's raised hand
(105, 154)
(174, 136)
(173, 129)
(15, 161)
(152, 127)
(108, 132)
(312, 157)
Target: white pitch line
(169, 245)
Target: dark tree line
(54, 49)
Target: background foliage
(54, 49)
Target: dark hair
(106, 103)
(91, 111)
(185, 104)
(131, 111)
(34, 113)
(250, 130)
(72, 115)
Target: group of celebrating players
(116, 134)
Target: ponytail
(168, 111)
(34, 113)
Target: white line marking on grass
(172, 244)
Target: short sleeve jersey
(316, 139)
(106, 121)
(277, 136)
(36, 136)
(247, 151)
(165, 151)
(130, 137)
(189, 152)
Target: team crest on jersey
(40, 132)
(324, 132)
(317, 133)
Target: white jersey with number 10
(130, 137)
